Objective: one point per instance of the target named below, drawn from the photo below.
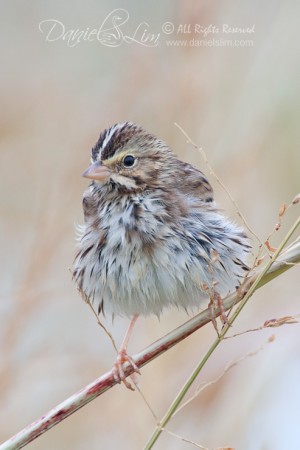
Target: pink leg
(123, 357)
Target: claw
(223, 315)
(118, 371)
(216, 301)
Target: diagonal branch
(106, 381)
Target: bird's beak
(97, 171)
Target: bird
(153, 236)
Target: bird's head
(130, 158)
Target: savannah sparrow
(153, 236)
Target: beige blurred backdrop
(238, 101)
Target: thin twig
(272, 323)
(228, 367)
(184, 439)
(103, 327)
(146, 402)
(106, 381)
(213, 173)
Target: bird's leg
(123, 357)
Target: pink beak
(97, 172)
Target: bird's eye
(129, 161)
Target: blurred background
(237, 96)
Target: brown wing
(194, 182)
(89, 205)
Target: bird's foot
(216, 302)
(223, 315)
(118, 370)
